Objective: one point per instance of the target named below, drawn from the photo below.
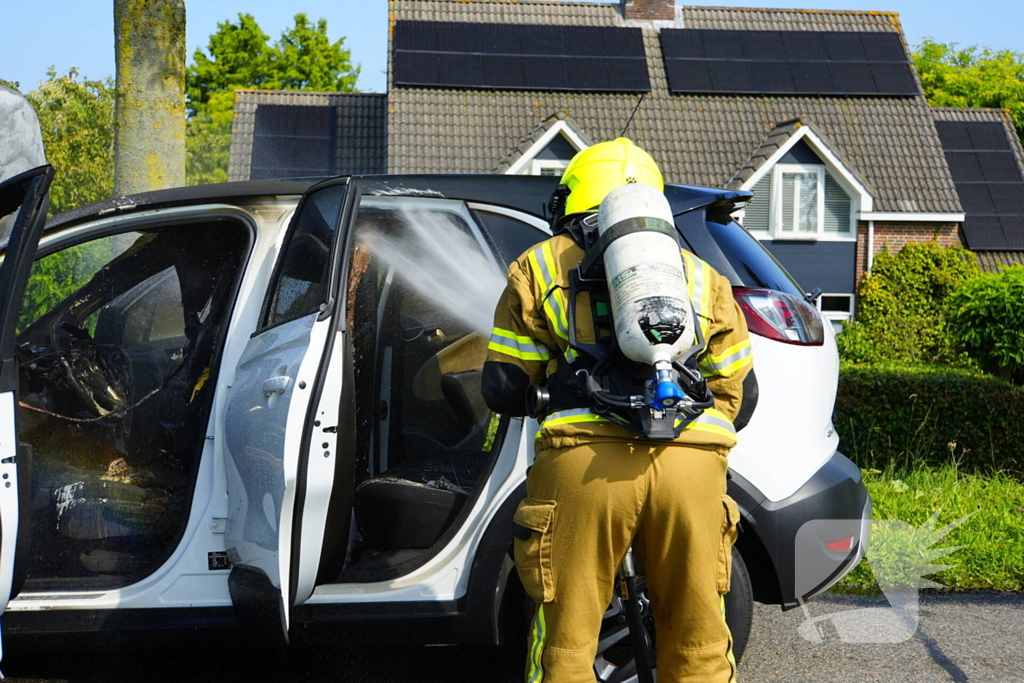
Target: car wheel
(614, 661)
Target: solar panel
(683, 44)
(999, 167)
(812, 78)
(883, 46)
(844, 47)
(989, 181)
(502, 56)
(953, 135)
(984, 232)
(292, 141)
(544, 73)
(689, 76)
(771, 77)
(763, 46)
(724, 45)
(964, 167)
(975, 199)
(892, 79)
(853, 78)
(987, 135)
(730, 77)
(1013, 231)
(790, 62)
(1008, 198)
(803, 46)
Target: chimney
(658, 10)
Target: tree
(240, 56)
(972, 77)
(149, 124)
(77, 121)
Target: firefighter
(595, 488)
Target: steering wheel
(83, 377)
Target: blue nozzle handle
(667, 394)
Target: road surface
(966, 638)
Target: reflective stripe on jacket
(531, 330)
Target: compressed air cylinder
(646, 280)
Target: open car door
(23, 204)
(289, 484)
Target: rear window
(733, 252)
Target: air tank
(647, 283)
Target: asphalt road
(960, 638)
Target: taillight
(782, 317)
(840, 546)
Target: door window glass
(510, 237)
(116, 348)
(300, 285)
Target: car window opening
(117, 344)
(424, 436)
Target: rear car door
(23, 204)
(281, 420)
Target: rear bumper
(783, 542)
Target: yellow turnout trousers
(584, 506)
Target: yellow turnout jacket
(531, 332)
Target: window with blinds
(757, 214)
(838, 218)
(799, 201)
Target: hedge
(910, 415)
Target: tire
(614, 660)
(739, 605)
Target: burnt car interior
(118, 344)
(424, 436)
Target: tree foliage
(240, 55)
(972, 77)
(988, 321)
(77, 121)
(902, 306)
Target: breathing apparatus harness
(653, 402)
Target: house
(819, 112)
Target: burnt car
(258, 404)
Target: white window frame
(539, 164)
(837, 316)
(777, 220)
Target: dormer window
(548, 150)
(799, 202)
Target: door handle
(276, 385)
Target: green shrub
(902, 306)
(987, 316)
(908, 416)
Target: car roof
(526, 193)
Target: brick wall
(895, 236)
(649, 9)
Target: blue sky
(79, 33)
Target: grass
(993, 554)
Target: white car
(258, 404)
